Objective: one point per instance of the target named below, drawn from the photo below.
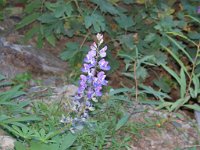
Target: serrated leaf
(95, 20)
(63, 9)
(106, 7)
(122, 121)
(28, 20)
(162, 85)
(141, 73)
(34, 30)
(127, 40)
(124, 21)
(71, 49)
(32, 6)
(150, 37)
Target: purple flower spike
(90, 85)
(104, 65)
(102, 52)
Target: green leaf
(105, 6)
(95, 20)
(180, 102)
(122, 121)
(67, 141)
(162, 84)
(27, 20)
(32, 6)
(150, 90)
(47, 18)
(124, 21)
(22, 119)
(19, 146)
(127, 40)
(72, 48)
(12, 93)
(121, 90)
(193, 18)
(194, 107)
(182, 83)
(62, 9)
(178, 45)
(51, 39)
(34, 30)
(177, 60)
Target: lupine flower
(103, 65)
(102, 52)
(91, 83)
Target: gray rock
(15, 58)
(7, 143)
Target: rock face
(15, 58)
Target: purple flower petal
(93, 46)
(103, 65)
(102, 52)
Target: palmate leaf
(63, 9)
(106, 7)
(124, 21)
(127, 40)
(71, 49)
(95, 20)
(32, 6)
